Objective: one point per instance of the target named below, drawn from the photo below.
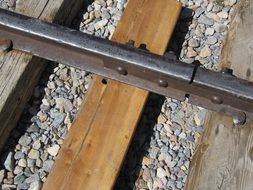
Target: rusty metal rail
(218, 91)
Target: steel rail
(218, 91)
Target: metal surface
(219, 91)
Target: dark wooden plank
(20, 72)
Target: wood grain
(98, 140)
(224, 157)
(19, 72)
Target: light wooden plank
(98, 140)
(19, 72)
(224, 158)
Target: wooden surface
(98, 140)
(19, 72)
(224, 158)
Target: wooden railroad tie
(224, 157)
(94, 149)
(20, 72)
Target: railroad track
(95, 146)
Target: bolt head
(121, 70)
(162, 83)
(227, 71)
(239, 119)
(5, 45)
(216, 100)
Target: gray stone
(146, 174)
(231, 2)
(18, 170)
(153, 152)
(179, 184)
(164, 149)
(32, 178)
(39, 163)
(2, 175)
(8, 187)
(18, 155)
(19, 179)
(100, 24)
(219, 27)
(23, 186)
(33, 154)
(205, 52)
(9, 162)
(22, 163)
(170, 164)
(11, 3)
(3, 5)
(25, 140)
(63, 103)
(211, 40)
(206, 20)
(198, 12)
(193, 42)
(36, 185)
(223, 14)
(209, 32)
(53, 150)
(37, 145)
(161, 172)
(47, 165)
(33, 128)
(58, 119)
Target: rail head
(167, 76)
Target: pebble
(161, 172)
(8, 187)
(19, 179)
(100, 24)
(32, 178)
(211, 40)
(33, 154)
(22, 163)
(36, 145)
(25, 140)
(9, 162)
(193, 42)
(23, 185)
(11, 3)
(198, 12)
(191, 52)
(53, 150)
(58, 119)
(219, 27)
(18, 170)
(206, 20)
(209, 32)
(36, 185)
(223, 14)
(18, 155)
(2, 175)
(63, 103)
(47, 165)
(205, 52)
(232, 2)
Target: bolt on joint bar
(163, 75)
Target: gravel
(165, 140)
